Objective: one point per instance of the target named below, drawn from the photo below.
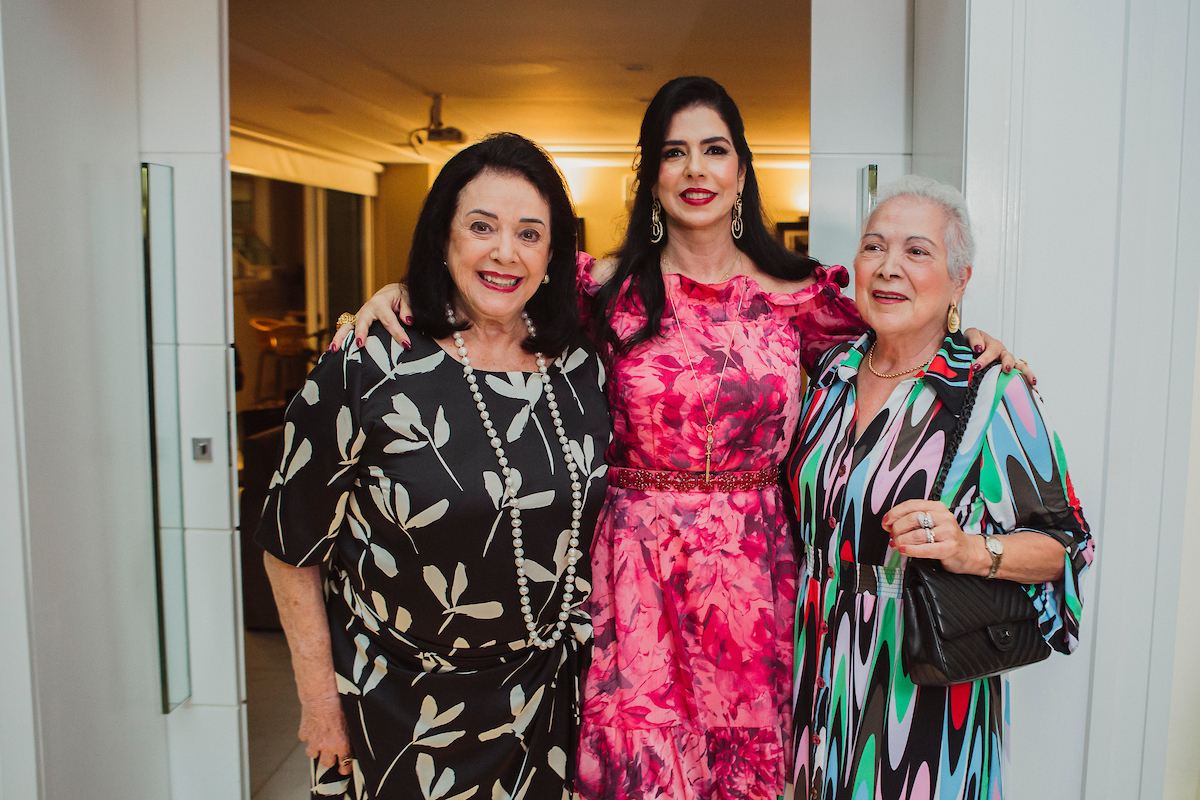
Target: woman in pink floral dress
(706, 323)
(694, 580)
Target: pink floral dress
(689, 693)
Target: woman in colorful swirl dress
(870, 442)
(451, 491)
(705, 324)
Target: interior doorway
(339, 100)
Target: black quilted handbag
(960, 628)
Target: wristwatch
(995, 549)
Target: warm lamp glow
(800, 198)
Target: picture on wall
(793, 235)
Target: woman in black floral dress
(451, 491)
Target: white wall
(1080, 174)
(184, 124)
(90, 90)
(861, 112)
(1074, 148)
(19, 756)
(79, 372)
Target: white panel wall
(184, 125)
(19, 757)
(1080, 175)
(70, 84)
(1182, 774)
(861, 112)
(1074, 145)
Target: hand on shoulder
(603, 269)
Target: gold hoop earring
(953, 320)
(737, 217)
(656, 226)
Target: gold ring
(1022, 361)
(345, 319)
(347, 761)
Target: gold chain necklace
(878, 374)
(711, 426)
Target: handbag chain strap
(957, 434)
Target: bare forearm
(302, 612)
(1029, 557)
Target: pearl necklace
(509, 497)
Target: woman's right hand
(323, 727)
(389, 305)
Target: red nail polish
(358, 342)
(406, 345)
(1007, 368)
(1033, 381)
(408, 320)
(978, 349)
(333, 346)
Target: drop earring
(656, 226)
(953, 320)
(737, 217)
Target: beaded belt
(661, 480)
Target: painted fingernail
(406, 345)
(1033, 381)
(978, 349)
(1007, 368)
(974, 367)
(358, 342)
(333, 346)
(408, 320)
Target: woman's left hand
(958, 551)
(987, 349)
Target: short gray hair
(960, 242)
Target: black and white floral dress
(388, 478)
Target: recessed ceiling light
(313, 109)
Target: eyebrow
(493, 216)
(709, 140)
(907, 240)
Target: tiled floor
(278, 766)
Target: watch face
(994, 545)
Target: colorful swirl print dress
(388, 479)
(689, 692)
(862, 729)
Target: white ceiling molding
(256, 154)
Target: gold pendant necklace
(711, 426)
(878, 374)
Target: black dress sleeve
(322, 440)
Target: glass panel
(158, 230)
(344, 252)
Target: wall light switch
(202, 449)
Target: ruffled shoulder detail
(583, 274)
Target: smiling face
(499, 246)
(902, 283)
(699, 176)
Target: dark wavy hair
(554, 308)
(639, 259)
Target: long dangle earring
(737, 217)
(656, 226)
(953, 320)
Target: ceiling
(356, 76)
